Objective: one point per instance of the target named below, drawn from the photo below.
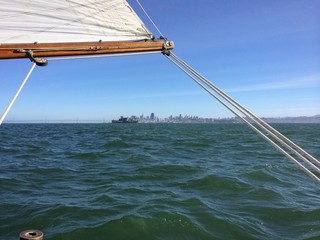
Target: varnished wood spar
(8, 51)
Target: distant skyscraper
(152, 116)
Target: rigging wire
(17, 93)
(209, 87)
(152, 22)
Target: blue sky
(264, 54)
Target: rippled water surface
(155, 181)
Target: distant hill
(196, 119)
(301, 119)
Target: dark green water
(140, 181)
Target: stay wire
(152, 22)
(274, 133)
(196, 79)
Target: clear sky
(264, 54)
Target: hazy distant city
(152, 118)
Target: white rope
(102, 56)
(68, 58)
(213, 88)
(196, 77)
(266, 127)
(147, 15)
(281, 138)
(15, 96)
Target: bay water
(155, 181)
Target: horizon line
(107, 121)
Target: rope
(18, 92)
(101, 56)
(147, 15)
(198, 78)
(266, 127)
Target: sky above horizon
(264, 54)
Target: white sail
(53, 21)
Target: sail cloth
(57, 21)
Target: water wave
(157, 181)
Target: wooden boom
(36, 50)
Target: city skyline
(176, 118)
(153, 118)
